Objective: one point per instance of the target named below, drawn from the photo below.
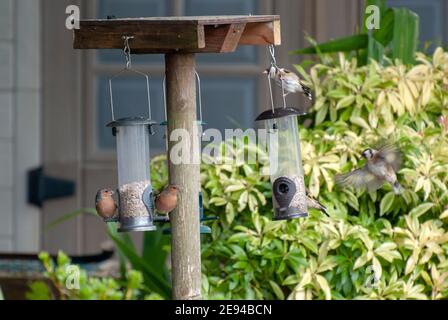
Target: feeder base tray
(288, 214)
(136, 224)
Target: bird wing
(98, 197)
(296, 79)
(359, 178)
(289, 73)
(390, 153)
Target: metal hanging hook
(127, 51)
(128, 67)
(198, 79)
(200, 96)
(277, 69)
(272, 53)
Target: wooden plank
(232, 37)
(179, 34)
(222, 38)
(146, 36)
(186, 20)
(262, 33)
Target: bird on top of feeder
(381, 166)
(314, 203)
(166, 200)
(105, 204)
(291, 81)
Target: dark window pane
(244, 54)
(130, 100)
(130, 9)
(227, 102)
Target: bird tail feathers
(307, 91)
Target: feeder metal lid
(279, 113)
(131, 121)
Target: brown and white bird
(381, 166)
(166, 200)
(105, 204)
(314, 203)
(291, 81)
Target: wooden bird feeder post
(180, 38)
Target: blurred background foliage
(394, 34)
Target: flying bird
(314, 203)
(166, 200)
(381, 166)
(291, 81)
(105, 204)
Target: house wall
(20, 121)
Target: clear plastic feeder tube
(285, 163)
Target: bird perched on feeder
(381, 166)
(291, 81)
(105, 204)
(314, 203)
(166, 200)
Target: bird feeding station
(180, 38)
(285, 161)
(135, 203)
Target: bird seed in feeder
(298, 200)
(131, 204)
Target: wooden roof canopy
(187, 34)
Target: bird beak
(265, 72)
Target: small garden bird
(314, 203)
(105, 204)
(381, 166)
(291, 81)
(166, 201)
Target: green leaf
(385, 33)
(421, 209)
(153, 251)
(362, 260)
(38, 291)
(321, 114)
(406, 33)
(277, 290)
(69, 216)
(375, 50)
(243, 200)
(345, 102)
(291, 279)
(351, 43)
(154, 280)
(386, 203)
(323, 284)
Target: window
(229, 81)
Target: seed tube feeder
(285, 163)
(135, 204)
(285, 160)
(135, 201)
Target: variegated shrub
(372, 245)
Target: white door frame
(28, 124)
